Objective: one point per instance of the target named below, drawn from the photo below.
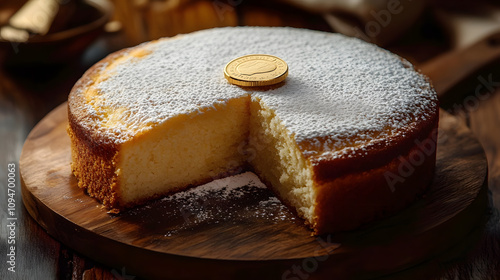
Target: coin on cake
(256, 70)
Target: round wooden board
(251, 236)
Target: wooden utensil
(451, 68)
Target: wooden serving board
(251, 235)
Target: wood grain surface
(156, 238)
(449, 69)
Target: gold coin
(256, 70)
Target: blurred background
(43, 38)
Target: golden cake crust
(93, 155)
(369, 194)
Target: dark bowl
(84, 26)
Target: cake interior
(199, 147)
(276, 158)
(185, 150)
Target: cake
(348, 138)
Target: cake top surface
(338, 87)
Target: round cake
(349, 137)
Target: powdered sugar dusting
(226, 187)
(234, 200)
(338, 87)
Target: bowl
(83, 26)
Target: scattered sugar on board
(225, 187)
(242, 198)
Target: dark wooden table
(27, 94)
